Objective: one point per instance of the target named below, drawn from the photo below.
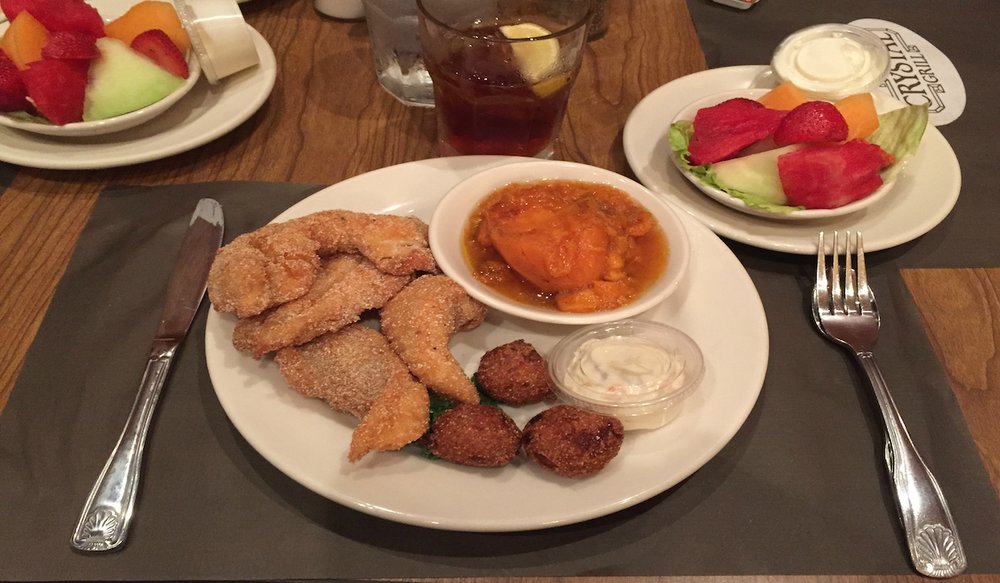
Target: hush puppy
(572, 442)
(474, 435)
(515, 374)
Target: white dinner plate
(204, 114)
(922, 196)
(717, 305)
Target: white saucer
(920, 199)
(204, 114)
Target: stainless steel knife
(104, 522)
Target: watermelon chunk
(812, 122)
(71, 45)
(722, 131)
(826, 176)
(12, 90)
(59, 15)
(57, 89)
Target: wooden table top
(328, 119)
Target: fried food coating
(398, 416)
(348, 368)
(572, 442)
(474, 435)
(279, 262)
(347, 286)
(515, 374)
(419, 322)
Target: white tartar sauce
(623, 368)
(832, 61)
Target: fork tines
(854, 296)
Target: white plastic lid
(220, 37)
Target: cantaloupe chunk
(149, 15)
(860, 113)
(784, 97)
(24, 40)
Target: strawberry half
(12, 90)
(825, 176)
(57, 89)
(812, 122)
(157, 46)
(723, 130)
(70, 45)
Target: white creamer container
(220, 37)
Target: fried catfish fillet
(420, 321)
(347, 286)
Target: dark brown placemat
(799, 490)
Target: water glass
(392, 30)
(502, 71)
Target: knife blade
(104, 522)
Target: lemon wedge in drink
(536, 59)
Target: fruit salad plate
(717, 305)
(920, 197)
(204, 113)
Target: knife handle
(104, 522)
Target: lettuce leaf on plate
(899, 133)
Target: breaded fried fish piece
(279, 262)
(420, 321)
(347, 286)
(399, 415)
(348, 368)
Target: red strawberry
(156, 45)
(826, 176)
(59, 15)
(12, 91)
(812, 122)
(70, 45)
(723, 130)
(11, 8)
(57, 88)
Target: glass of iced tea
(502, 71)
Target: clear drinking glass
(392, 30)
(502, 71)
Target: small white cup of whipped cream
(831, 61)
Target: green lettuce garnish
(899, 133)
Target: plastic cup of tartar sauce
(831, 61)
(635, 370)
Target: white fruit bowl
(112, 124)
(883, 103)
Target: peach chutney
(567, 245)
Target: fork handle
(931, 536)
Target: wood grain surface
(328, 119)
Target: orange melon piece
(784, 97)
(24, 40)
(859, 111)
(149, 15)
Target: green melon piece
(122, 80)
(754, 174)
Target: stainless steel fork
(848, 315)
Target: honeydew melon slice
(754, 174)
(122, 80)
